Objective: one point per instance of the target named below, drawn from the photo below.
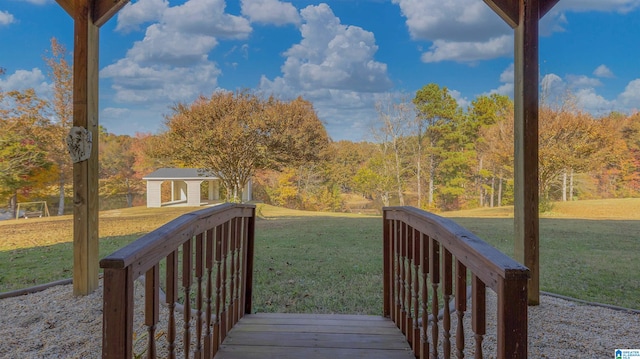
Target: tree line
(424, 150)
(435, 155)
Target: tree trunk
(13, 204)
(419, 174)
(129, 194)
(479, 181)
(398, 172)
(571, 185)
(431, 184)
(564, 185)
(493, 186)
(500, 191)
(61, 194)
(385, 199)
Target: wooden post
(526, 145)
(524, 16)
(85, 173)
(88, 16)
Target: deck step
(311, 336)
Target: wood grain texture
(267, 336)
(85, 173)
(526, 110)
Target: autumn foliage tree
(23, 157)
(234, 134)
(118, 176)
(60, 72)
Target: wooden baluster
(249, 255)
(447, 290)
(172, 295)
(199, 274)
(393, 270)
(208, 335)
(218, 258)
(243, 251)
(223, 303)
(435, 281)
(478, 315)
(416, 292)
(398, 294)
(152, 307)
(237, 238)
(403, 272)
(424, 254)
(232, 273)
(386, 267)
(409, 247)
(186, 286)
(461, 306)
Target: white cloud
(135, 14)
(442, 50)
(582, 81)
(556, 20)
(587, 99)
(6, 18)
(468, 30)
(270, 12)
(620, 6)
(160, 83)
(508, 74)
(334, 67)
(575, 90)
(206, 17)
(506, 78)
(333, 56)
(171, 63)
(171, 47)
(460, 30)
(38, 2)
(24, 79)
(462, 101)
(454, 20)
(630, 97)
(603, 71)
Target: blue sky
(343, 55)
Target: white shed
(185, 187)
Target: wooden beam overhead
(68, 6)
(546, 6)
(508, 10)
(103, 10)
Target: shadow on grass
(27, 267)
(593, 260)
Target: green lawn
(324, 262)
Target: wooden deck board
(283, 336)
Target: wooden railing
(421, 253)
(207, 262)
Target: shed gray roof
(163, 174)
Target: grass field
(325, 262)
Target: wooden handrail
(208, 259)
(421, 253)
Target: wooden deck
(284, 336)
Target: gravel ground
(54, 324)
